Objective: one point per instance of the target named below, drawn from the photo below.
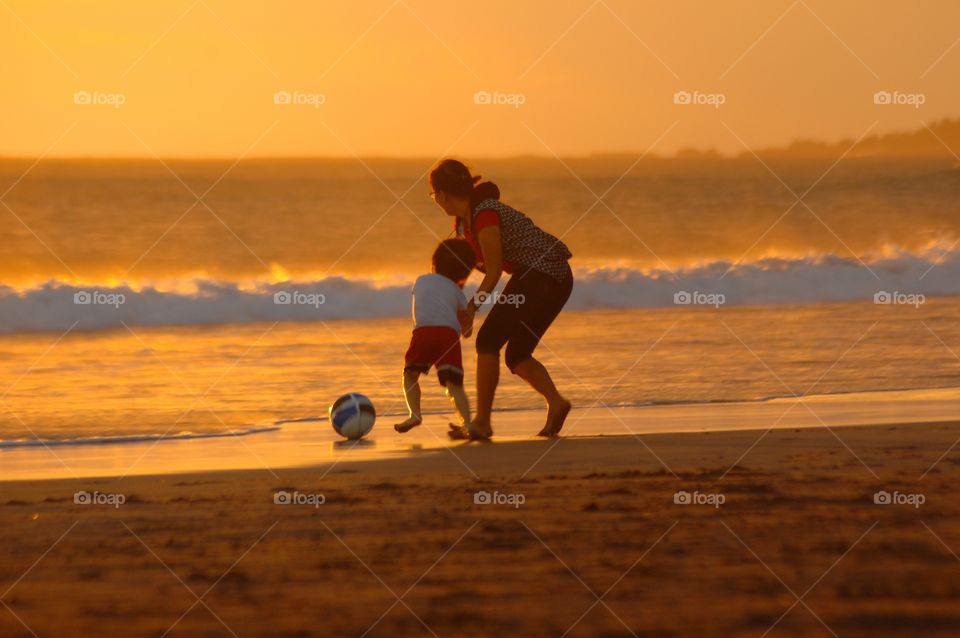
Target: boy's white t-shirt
(436, 300)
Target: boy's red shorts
(436, 346)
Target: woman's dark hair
(454, 259)
(453, 178)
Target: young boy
(438, 306)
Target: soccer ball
(352, 415)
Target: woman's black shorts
(520, 316)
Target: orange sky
(398, 77)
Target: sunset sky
(398, 77)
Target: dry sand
(598, 547)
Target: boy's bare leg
(460, 401)
(411, 392)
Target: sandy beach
(583, 537)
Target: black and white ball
(352, 415)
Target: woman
(506, 240)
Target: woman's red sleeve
(486, 218)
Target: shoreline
(437, 460)
(312, 443)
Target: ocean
(145, 299)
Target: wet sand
(587, 540)
(311, 441)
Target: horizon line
(682, 153)
(685, 154)
(432, 158)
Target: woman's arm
(492, 248)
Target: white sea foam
(133, 438)
(57, 306)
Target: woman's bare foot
(462, 433)
(479, 430)
(556, 415)
(409, 424)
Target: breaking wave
(58, 306)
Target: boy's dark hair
(454, 259)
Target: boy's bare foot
(555, 419)
(458, 432)
(408, 425)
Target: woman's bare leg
(533, 372)
(488, 376)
